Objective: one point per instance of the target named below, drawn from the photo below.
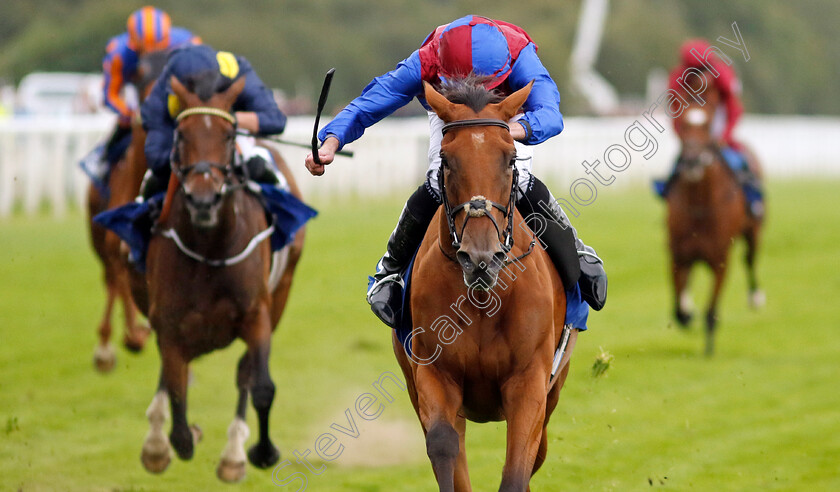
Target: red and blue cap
(474, 44)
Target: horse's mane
(206, 83)
(470, 91)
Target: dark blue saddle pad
(131, 221)
(577, 310)
(132, 224)
(289, 213)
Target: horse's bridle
(699, 162)
(478, 205)
(203, 167)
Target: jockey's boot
(753, 191)
(385, 292)
(152, 185)
(98, 162)
(117, 144)
(750, 183)
(95, 165)
(261, 171)
(575, 261)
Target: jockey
(507, 57)
(725, 118)
(148, 30)
(255, 110)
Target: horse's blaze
(696, 117)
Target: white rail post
(8, 163)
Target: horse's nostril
(499, 259)
(203, 202)
(465, 261)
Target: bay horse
(707, 211)
(489, 359)
(210, 281)
(124, 182)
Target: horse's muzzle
(203, 208)
(204, 191)
(481, 269)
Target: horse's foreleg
(551, 403)
(524, 399)
(232, 465)
(756, 296)
(263, 454)
(462, 475)
(439, 400)
(175, 375)
(683, 308)
(157, 453)
(104, 358)
(542, 452)
(711, 312)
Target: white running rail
(38, 156)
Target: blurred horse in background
(707, 211)
(494, 358)
(124, 182)
(210, 280)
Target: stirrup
(385, 299)
(377, 285)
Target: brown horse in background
(707, 211)
(124, 183)
(210, 281)
(489, 359)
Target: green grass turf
(763, 414)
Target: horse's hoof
(156, 456)
(134, 343)
(104, 358)
(263, 456)
(683, 318)
(757, 299)
(230, 472)
(184, 440)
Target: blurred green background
(291, 43)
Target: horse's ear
(179, 90)
(441, 105)
(511, 104)
(231, 93)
